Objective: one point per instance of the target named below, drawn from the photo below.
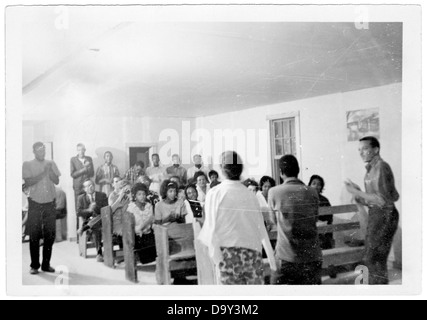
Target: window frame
(297, 136)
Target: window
(283, 141)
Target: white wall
(323, 136)
(324, 147)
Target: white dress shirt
(234, 219)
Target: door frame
(152, 149)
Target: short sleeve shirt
(44, 190)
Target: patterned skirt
(241, 266)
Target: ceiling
(193, 69)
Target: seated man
(89, 207)
(112, 198)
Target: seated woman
(194, 208)
(326, 240)
(169, 209)
(213, 176)
(202, 186)
(266, 183)
(142, 210)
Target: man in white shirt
(40, 177)
(156, 173)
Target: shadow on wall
(120, 158)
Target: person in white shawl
(234, 229)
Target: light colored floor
(349, 278)
(89, 272)
(82, 271)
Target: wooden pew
(128, 225)
(85, 242)
(343, 255)
(337, 256)
(109, 235)
(175, 251)
(123, 223)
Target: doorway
(139, 154)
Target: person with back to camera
(233, 230)
(298, 249)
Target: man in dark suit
(89, 207)
(81, 169)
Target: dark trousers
(382, 226)
(96, 234)
(297, 273)
(41, 225)
(326, 241)
(145, 246)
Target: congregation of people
(231, 217)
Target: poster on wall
(362, 123)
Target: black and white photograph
(175, 150)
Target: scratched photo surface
(118, 118)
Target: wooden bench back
(334, 210)
(174, 239)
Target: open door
(139, 154)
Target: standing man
(135, 173)
(105, 174)
(198, 166)
(177, 170)
(297, 209)
(380, 197)
(81, 169)
(89, 207)
(156, 173)
(40, 177)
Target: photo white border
(411, 159)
